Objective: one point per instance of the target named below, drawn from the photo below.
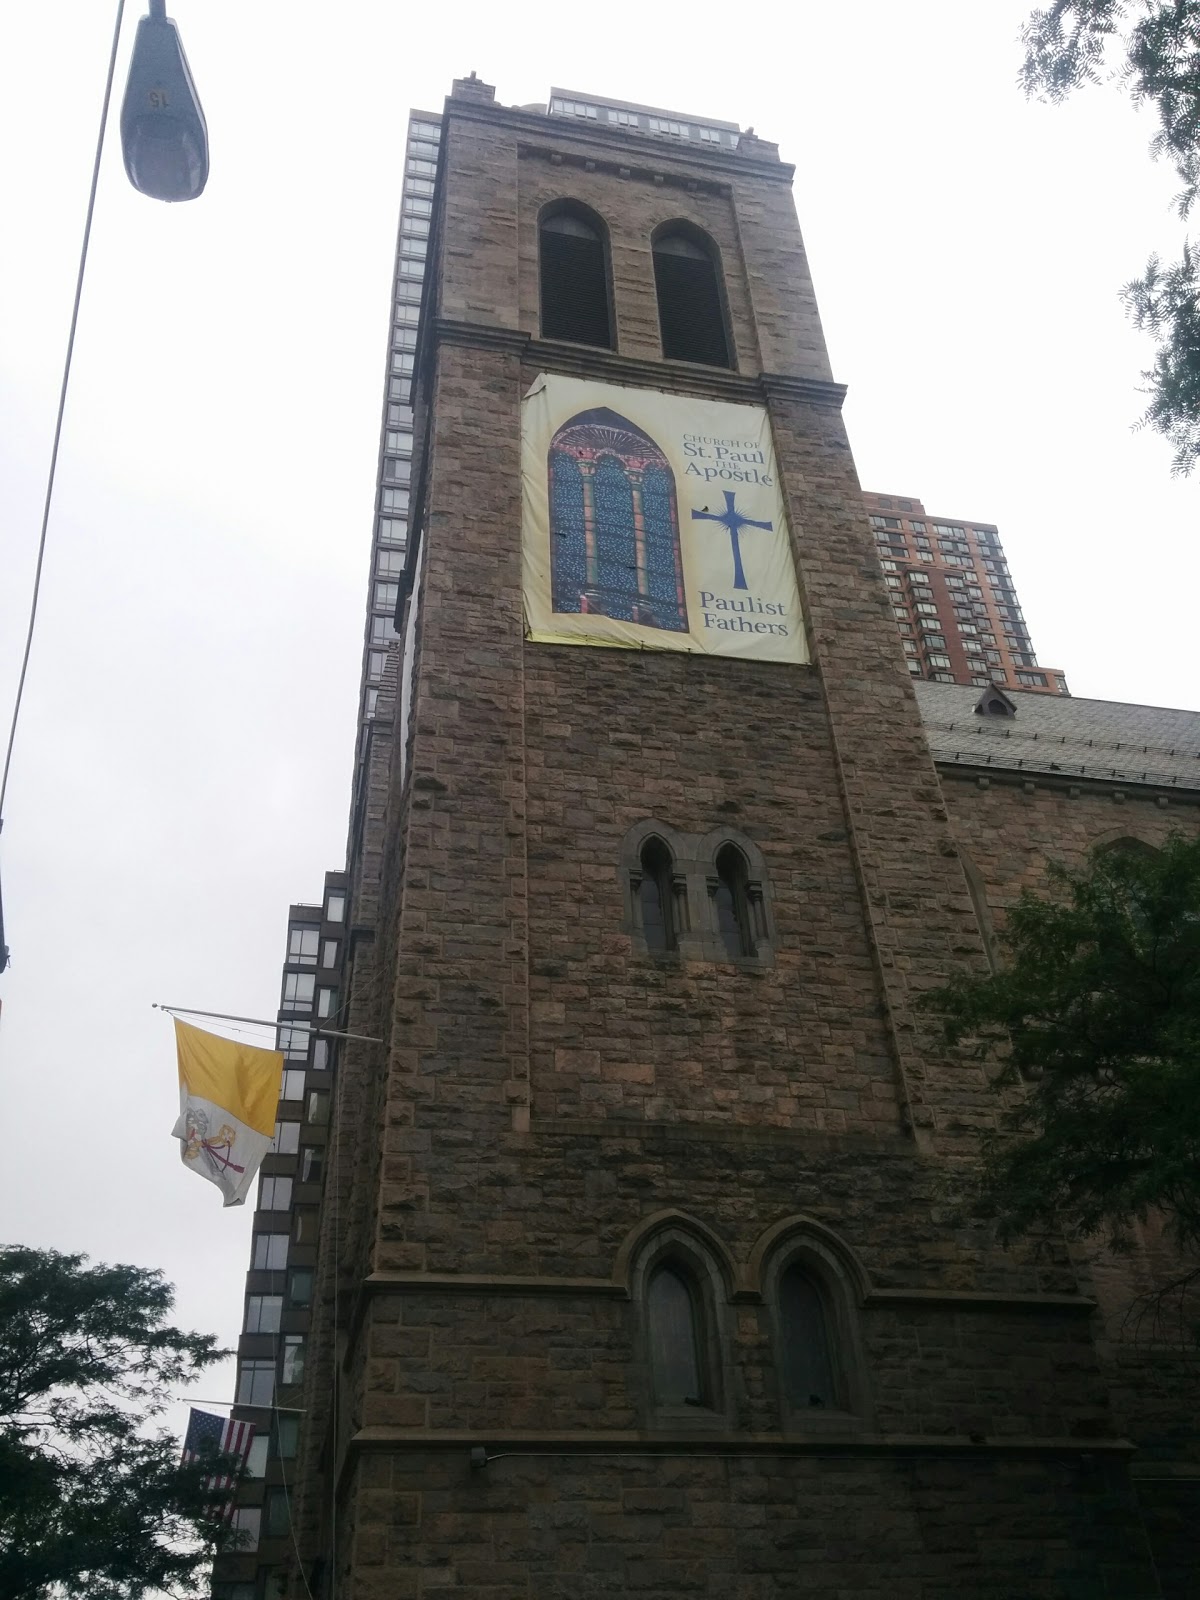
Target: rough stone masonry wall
(1009, 830)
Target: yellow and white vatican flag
(228, 1094)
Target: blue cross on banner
(733, 521)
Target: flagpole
(264, 1022)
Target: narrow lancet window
(735, 914)
(806, 1365)
(674, 1323)
(656, 896)
(574, 280)
(691, 316)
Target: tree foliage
(1152, 49)
(1095, 1016)
(91, 1502)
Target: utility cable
(62, 405)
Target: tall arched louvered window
(806, 1362)
(731, 893)
(673, 1313)
(574, 278)
(656, 896)
(691, 312)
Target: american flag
(208, 1435)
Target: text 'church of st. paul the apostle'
(635, 1264)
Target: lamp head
(163, 133)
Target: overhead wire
(58, 424)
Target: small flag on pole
(228, 1095)
(208, 1435)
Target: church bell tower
(639, 1272)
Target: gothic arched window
(674, 1319)
(691, 313)
(806, 1362)
(614, 523)
(656, 896)
(736, 917)
(573, 264)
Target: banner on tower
(654, 521)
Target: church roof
(1099, 740)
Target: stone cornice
(606, 365)
(1072, 784)
(622, 146)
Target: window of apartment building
(291, 1086)
(420, 169)
(312, 1162)
(246, 1522)
(915, 668)
(270, 1252)
(910, 648)
(410, 315)
(300, 1286)
(285, 1437)
(394, 499)
(293, 1039)
(926, 609)
(287, 1139)
(938, 661)
(302, 946)
(291, 1361)
(934, 641)
(900, 613)
(383, 630)
(1032, 680)
(376, 661)
(276, 1520)
(304, 1225)
(889, 566)
(329, 953)
(256, 1383)
(893, 580)
(326, 1002)
(998, 675)
(885, 522)
(390, 563)
(317, 1109)
(393, 530)
(917, 527)
(320, 1059)
(274, 1193)
(263, 1312)
(256, 1456)
(980, 682)
(298, 988)
(335, 908)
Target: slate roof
(1099, 740)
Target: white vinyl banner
(654, 521)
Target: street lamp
(163, 133)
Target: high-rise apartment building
(640, 1265)
(953, 598)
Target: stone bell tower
(639, 1271)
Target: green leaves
(90, 1501)
(1095, 1018)
(1152, 48)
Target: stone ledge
(600, 1442)
(675, 376)
(874, 1299)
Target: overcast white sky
(182, 769)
